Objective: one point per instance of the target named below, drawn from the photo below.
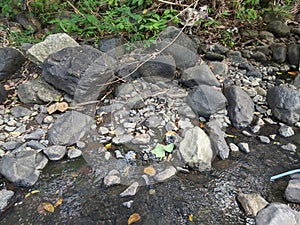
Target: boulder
(278, 28)
(206, 100)
(292, 192)
(3, 94)
(284, 103)
(22, 166)
(277, 214)
(37, 91)
(39, 52)
(198, 75)
(195, 149)
(240, 106)
(279, 52)
(293, 54)
(11, 61)
(69, 128)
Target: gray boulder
(3, 94)
(240, 106)
(279, 52)
(278, 28)
(38, 53)
(198, 75)
(217, 138)
(206, 100)
(284, 103)
(293, 54)
(195, 149)
(22, 166)
(183, 49)
(5, 196)
(64, 69)
(11, 61)
(161, 68)
(277, 214)
(292, 192)
(37, 91)
(69, 128)
(219, 68)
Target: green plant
(247, 10)
(227, 38)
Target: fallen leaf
(191, 217)
(158, 151)
(171, 133)
(133, 218)
(48, 207)
(52, 108)
(150, 171)
(62, 106)
(59, 202)
(230, 135)
(292, 73)
(108, 146)
(31, 193)
(202, 125)
(169, 148)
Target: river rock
(141, 139)
(240, 106)
(284, 103)
(112, 46)
(195, 149)
(277, 214)
(55, 152)
(38, 53)
(267, 36)
(219, 68)
(22, 166)
(3, 94)
(286, 131)
(279, 52)
(214, 56)
(69, 128)
(165, 174)
(112, 178)
(74, 153)
(161, 68)
(5, 196)
(122, 139)
(65, 68)
(252, 203)
(244, 147)
(11, 61)
(37, 91)
(37, 134)
(131, 190)
(293, 54)
(206, 100)
(217, 138)
(292, 192)
(19, 111)
(183, 50)
(278, 28)
(198, 75)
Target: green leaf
(159, 151)
(169, 148)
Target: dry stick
(172, 3)
(75, 9)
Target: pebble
(233, 147)
(103, 130)
(80, 144)
(255, 128)
(128, 204)
(286, 131)
(131, 190)
(48, 119)
(264, 139)
(244, 147)
(38, 134)
(290, 147)
(272, 136)
(122, 139)
(246, 133)
(165, 174)
(74, 153)
(112, 178)
(141, 139)
(55, 152)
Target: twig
(75, 9)
(172, 3)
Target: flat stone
(131, 190)
(289, 147)
(74, 153)
(244, 147)
(5, 196)
(19, 111)
(38, 134)
(165, 174)
(286, 131)
(55, 152)
(278, 28)
(112, 178)
(292, 192)
(233, 147)
(264, 139)
(122, 139)
(252, 203)
(141, 139)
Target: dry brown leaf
(59, 202)
(292, 73)
(134, 218)
(150, 171)
(41, 210)
(52, 108)
(48, 207)
(62, 106)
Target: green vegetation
(133, 19)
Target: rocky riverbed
(178, 132)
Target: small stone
(80, 144)
(74, 153)
(233, 147)
(9, 129)
(289, 147)
(165, 174)
(246, 133)
(255, 129)
(103, 130)
(18, 111)
(128, 204)
(122, 139)
(119, 154)
(141, 139)
(112, 178)
(48, 119)
(244, 147)
(269, 121)
(297, 124)
(264, 139)
(286, 131)
(272, 136)
(252, 203)
(131, 190)
(107, 155)
(5, 196)
(38, 134)
(35, 144)
(55, 152)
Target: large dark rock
(277, 214)
(279, 52)
(161, 68)
(292, 192)
(240, 106)
(278, 28)
(65, 68)
(206, 100)
(37, 91)
(198, 75)
(293, 54)
(69, 128)
(3, 94)
(112, 46)
(183, 49)
(22, 166)
(11, 61)
(284, 103)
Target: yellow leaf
(150, 171)
(231, 135)
(52, 108)
(191, 217)
(74, 175)
(59, 202)
(48, 207)
(170, 133)
(145, 11)
(15, 133)
(108, 146)
(202, 125)
(62, 106)
(35, 76)
(133, 218)
(292, 73)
